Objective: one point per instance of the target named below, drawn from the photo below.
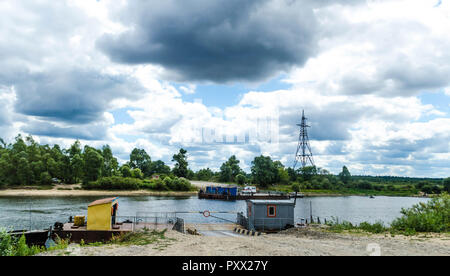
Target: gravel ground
(296, 242)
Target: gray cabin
(268, 215)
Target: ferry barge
(233, 193)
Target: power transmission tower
(303, 154)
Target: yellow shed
(101, 214)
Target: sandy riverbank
(63, 190)
(74, 190)
(294, 242)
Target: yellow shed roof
(103, 201)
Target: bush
(148, 184)
(433, 216)
(376, 228)
(160, 185)
(364, 185)
(137, 173)
(169, 183)
(10, 246)
(113, 183)
(127, 183)
(295, 187)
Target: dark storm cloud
(87, 132)
(74, 96)
(217, 41)
(329, 123)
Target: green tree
(110, 164)
(308, 172)
(283, 176)
(204, 174)
(45, 178)
(24, 172)
(77, 164)
(141, 160)
(226, 174)
(446, 183)
(125, 170)
(74, 149)
(230, 169)
(345, 175)
(159, 167)
(93, 162)
(264, 171)
(181, 166)
(240, 179)
(295, 187)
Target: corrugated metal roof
(270, 201)
(102, 201)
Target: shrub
(137, 173)
(113, 183)
(10, 246)
(148, 184)
(376, 228)
(159, 185)
(183, 185)
(295, 187)
(433, 216)
(169, 183)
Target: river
(42, 212)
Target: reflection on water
(42, 212)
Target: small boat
(371, 196)
(32, 237)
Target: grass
(144, 237)
(338, 227)
(11, 246)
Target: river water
(42, 212)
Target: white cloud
(359, 89)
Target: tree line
(25, 162)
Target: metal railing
(149, 221)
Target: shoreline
(72, 190)
(292, 242)
(74, 193)
(78, 192)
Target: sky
(222, 78)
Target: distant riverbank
(71, 191)
(62, 190)
(65, 192)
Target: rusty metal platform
(81, 233)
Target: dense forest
(26, 163)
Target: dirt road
(296, 242)
(203, 184)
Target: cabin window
(271, 210)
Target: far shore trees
(181, 166)
(24, 162)
(264, 171)
(230, 169)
